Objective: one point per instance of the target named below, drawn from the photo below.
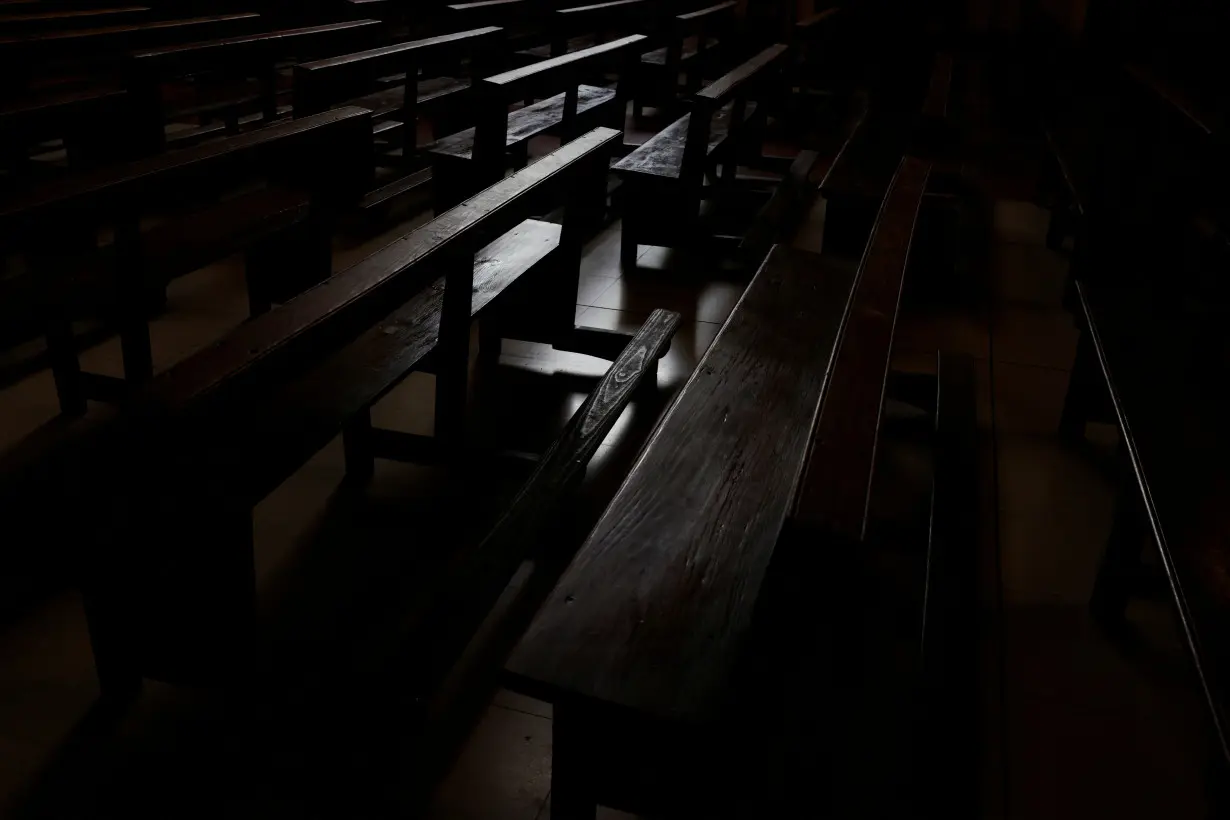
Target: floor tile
(1092, 732)
(948, 332)
(1029, 275)
(1028, 399)
(1019, 222)
(1040, 337)
(521, 703)
(504, 772)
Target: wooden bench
(77, 120)
(285, 228)
(100, 50)
(691, 40)
(240, 73)
(225, 427)
(665, 176)
(771, 442)
(361, 79)
(465, 161)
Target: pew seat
(526, 123)
(662, 154)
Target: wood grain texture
(662, 154)
(836, 485)
(655, 607)
(342, 307)
(477, 574)
(525, 123)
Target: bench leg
(65, 366)
(1082, 387)
(115, 660)
(357, 447)
(572, 793)
(627, 247)
(1121, 564)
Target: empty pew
(769, 447)
(232, 422)
(422, 91)
(465, 161)
(99, 51)
(243, 72)
(285, 227)
(691, 41)
(664, 177)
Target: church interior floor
(1072, 725)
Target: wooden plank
(656, 606)
(693, 17)
(342, 307)
(836, 486)
(662, 154)
(729, 84)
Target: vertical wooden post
(453, 350)
(133, 299)
(410, 116)
(357, 446)
(572, 788)
(695, 156)
(490, 139)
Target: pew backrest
(321, 84)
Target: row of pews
(753, 490)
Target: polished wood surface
(657, 604)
